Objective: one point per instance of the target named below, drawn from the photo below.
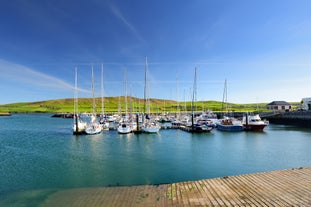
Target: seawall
(297, 118)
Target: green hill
(112, 105)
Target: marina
(155, 103)
(109, 160)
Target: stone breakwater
(5, 114)
(297, 118)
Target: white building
(279, 106)
(306, 104)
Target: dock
(291, 187)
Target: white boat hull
(151, 129)
(93, 129)
(124, 129)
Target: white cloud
(130, 26)
(24, 75)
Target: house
(279, 106)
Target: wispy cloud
(118, 14)
(24, 75)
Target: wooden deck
(270, 189)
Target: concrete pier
(297, 118)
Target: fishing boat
(253, 122)
(229, 124)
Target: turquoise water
(39, 152)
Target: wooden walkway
(270, 189)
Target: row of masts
(93, 125)
(135, 106)
(145, 118)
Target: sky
(261, 47)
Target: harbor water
(40, 152)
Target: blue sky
(262, 48)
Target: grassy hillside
(112, 105)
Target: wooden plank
(206, 194)
(272, 188)
(256, 191)
(221, 191)
(215, 198)
(235, 197)
(290, 187)
(203, 201)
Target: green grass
(112, 105)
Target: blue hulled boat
(230, 125)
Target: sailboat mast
(145, 89)
(131, 103)
(93, 95)
(102, 90)
(125, 92)
(224, 97)
(76, 92)
(75, 113)
(194, 97)
(177, 100)
(194, 92)
(185, 106)
(119, 106)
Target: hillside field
(116, 104)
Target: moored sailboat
(103, 119)
(197, 127)
(93, 127)
(149, 125)
(78, 124)
(125, 125)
